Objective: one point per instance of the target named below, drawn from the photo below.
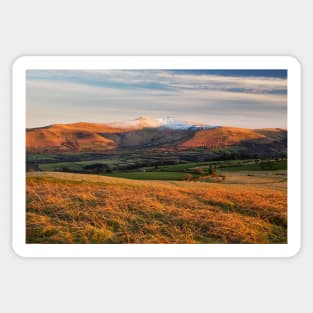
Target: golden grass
(78, 208)
(66, 140)
(79, 136)
(67, 137)
(221, 135)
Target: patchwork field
(245, 207)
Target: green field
(129, 168)
(232, 165)
(176, 167)
(263, 166)
(190, 166)
(74, 165)
(178, 172)
(149, 175)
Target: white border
(156, 250)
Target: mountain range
(145, 132)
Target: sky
(241, 98)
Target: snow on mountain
(168, 122)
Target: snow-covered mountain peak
(167, 122)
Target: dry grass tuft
(74, 208)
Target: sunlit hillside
(90, 137)
(221, 136)
(75, 208)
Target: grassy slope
(225, 135)
(76, 208)
(70, 137)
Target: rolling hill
(75, 208)
(230, 136)
(70, 137)
(221, 136)
(146, 133)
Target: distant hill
(70, 137)
(144, 133)
(228, 136)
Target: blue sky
(242, 98)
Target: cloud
(106, 95)
(161, 80)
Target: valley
(156, 181)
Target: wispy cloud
(162, 80)
(104, 95)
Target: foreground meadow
(81, 208)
